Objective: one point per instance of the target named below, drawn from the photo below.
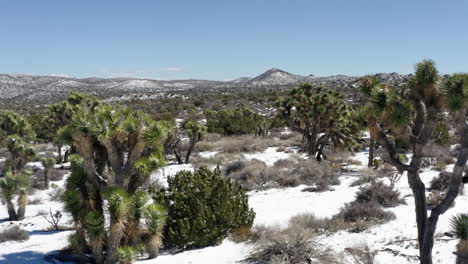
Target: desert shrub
(311, 172)
(203, 207)
(434, 153)
(232, 122)
(380, 193)
(57, 175)
(441, 182)
(289, 245)
(311, 223)
(56, 192)
(245, 143)
(361, 216)
(250, 174)
(441, 134)
(14, 233)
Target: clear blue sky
(228, 39)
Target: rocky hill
(21, 89)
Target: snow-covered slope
(394, 241)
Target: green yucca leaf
(426, 73)
(156, 217)
(401, 115)
(95, 224)
(459, 224)
(73, 203)
(127, 254)
(119, 203)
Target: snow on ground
(276, 206)
(394, 241)
(269, 156)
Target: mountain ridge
(42, 89)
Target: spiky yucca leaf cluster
(127, 254)
(459, 224)
(21, 153)
(12, 123)
(456, 90)
(155, 218)
(202, 208)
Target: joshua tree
(420, 119)
(320, 115)
(460, 228)
(60, 115)
(387, 108)
(195, 132)
(20, 153)
(48, 164)
(119, 150)
(12, 185)
(12, 123)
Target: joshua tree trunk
(189, 151)
(370, 162)
(67, 154)
(22, 202)
(11, 211)
(98, 253)
(59, 151)
(46, 177)
(462, 252)
(113, 242)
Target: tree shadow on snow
(25, 257)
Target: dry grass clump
(14, 233)
(254, 174)
(380, 193)
(360, 216)
(251, 174)
(361, 254)
(220, 158)
(437, 155)
(312, 224)
(310, 172)
(288, 246)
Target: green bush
(441, 134)
(233, 122)
(202, 208)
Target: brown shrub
(290, 245)
(361, 216)
(380, 193)
(14, 233)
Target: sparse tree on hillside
(195, 132)
(321, 115)
(21, 153)
(48, 164)
(12, 123)
(426, 100)
(15, 185)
